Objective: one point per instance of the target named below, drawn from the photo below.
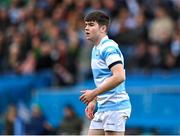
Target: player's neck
(98, 40)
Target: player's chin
(88, 38)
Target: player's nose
(86, 28)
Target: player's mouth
(87, 34)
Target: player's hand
(90, 110)
(87, 96)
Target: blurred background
(45, 63)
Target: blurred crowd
(48, 34)
(21, 121)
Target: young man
(109, 75)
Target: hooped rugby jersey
(104, 56)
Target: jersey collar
(102, 40)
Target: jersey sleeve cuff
(114, 63)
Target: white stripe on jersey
(98, 64)
(113, 58)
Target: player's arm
(118, 76)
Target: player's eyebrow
(89, 23)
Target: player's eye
(91, 23)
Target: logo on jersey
(97, 52)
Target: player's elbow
(122, 78)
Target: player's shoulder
(108, 43)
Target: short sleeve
(112, 56)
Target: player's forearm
(109, 84)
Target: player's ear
(103, 28)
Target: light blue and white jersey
(104, 56)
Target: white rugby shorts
(109, 121)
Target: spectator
(175, 45)
(162, 27)
(14, 125)
(3, 52)
(62, 66)
(10, 119)
(38, 124)
(45, 60)
(71, 123)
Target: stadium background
(45, 62)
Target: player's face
(92, 30)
